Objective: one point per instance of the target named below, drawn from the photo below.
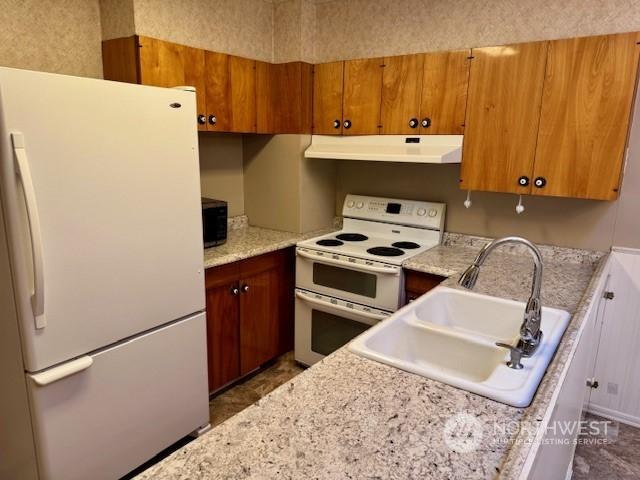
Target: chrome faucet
(530, 333)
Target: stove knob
(350, 203)
(433, 212)
(421, 212)
(359, 205)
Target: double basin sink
(450, 336)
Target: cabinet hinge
(592, 383)
(609, 295)
(471, 57)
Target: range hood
(388, 148)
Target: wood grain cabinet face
(445, 81)
(362, 96)
(503, 112)
(223, 325)
(284, 97)
(266, 309)
(328, 81)
(401, 90)
(231, 93)
(419, 283)
(250, 314)
(166, 64)
(586, 107)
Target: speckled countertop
(349, 417)
(248, 241)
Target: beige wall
(294, 30)
(221, 169)
(117, 18)
(59, 37)
(364, 28)
(283, 190)
(239, 27)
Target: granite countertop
(248, 241)
(350, 417)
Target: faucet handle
(516, 355)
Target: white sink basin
(450, 336)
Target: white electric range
(348, 280)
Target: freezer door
(101, 189)
(128, 404)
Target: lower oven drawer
(324, 324)
(366, 283)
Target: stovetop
(377, 241)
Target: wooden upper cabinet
(166, 64)
(362, 96)
(503, 112)
(284, 97)
(401, 90)
(242, 97)
(445, 81)
(231, 93)
(328, 81)
(217, 81)
(586, 108)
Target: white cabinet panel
(618, 362)
(131, 402)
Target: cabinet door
(401, 88)
(362, 96)
(586, 106)
(266, 308)
(445, 81)
(505, 91)
(327, 98)
(231, 93)
(217, 81)
(165, 64)
(418, 283)
(242, 95)
(223, 328)
(283, 97)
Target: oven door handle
(372, 316)
(354, 266)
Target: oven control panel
(404, 212)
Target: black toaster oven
(214, 222)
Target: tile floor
(618, 459)
(241, 396)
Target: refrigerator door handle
(37, 297)
(62, 371)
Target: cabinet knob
(336, 124)
(413, 123)
(426, 122)
(245, 288)
(202, 119)
(523, 181)
(347, 124)
(213, 119)
(235, 291)
(540, 182)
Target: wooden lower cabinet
(223, 321)
(419, 283)
(250, 312)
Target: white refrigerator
(102, 324)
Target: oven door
(324, 324)
(365, 282)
